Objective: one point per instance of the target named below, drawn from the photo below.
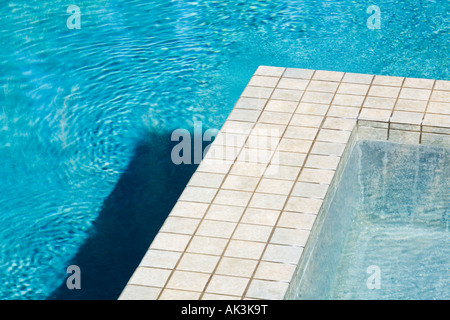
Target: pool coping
(240, 226)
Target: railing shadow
(130, 218)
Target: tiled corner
(240, 226)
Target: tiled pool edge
(238, 231)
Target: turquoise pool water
(86, 115)
(385, 234)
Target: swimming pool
(385, 232)
(87, 114)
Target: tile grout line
(393, 109)
(425, 112)
(292, 188)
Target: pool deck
(240, 226)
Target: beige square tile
(328, 148)
(244, 115)
(214, 228)
(316, 176)
(151, 277)
(291, 158)
(244, 249)
(317, 97)
(294, 145)
(281, 106)
(265, 136)
(339, 123)
(267, 290)
(293, 84)
(312, 108)
(353, 88)
(358, 78)
(304, 133)
(329, 135)
(180, 225)
(252, 232)
(322, 162)
(132, 292)
(294, 237)
(407, 117)
(343, 112)
(281, 118)
(379, 103)
(160, 259)
(233, 197)
(411, 105)
(227, 285)
(169, 294)
(387, 81)
(328, 75)
(275, 186)
(287, 94)
(323, 86)
(256, 155)
(304, 120)
(198, 194)
(263, 81)
(236, 267)
(224, 213)
(384, 91)
(305, 205)
(282, 172)
(415, 94)
(418, 83)
(298, 73)
(270, 71)
(436, 120)
(268, 201)
(190, 281)
(297, 220)
(257, 92)
(241, 183)
(248, 169)
(375, 114)
(439, 107)
(170, 241)
(442, 85)
(260, 216)
(198, 262)
(275, 271)
(250, 103)
(207, 180)
(282, 253)
(310, 190)
(207, 245)
(440, 96)
(348, 100)
(189, 209)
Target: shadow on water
(130, 218)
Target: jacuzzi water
(86, 114)
(386, 232)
